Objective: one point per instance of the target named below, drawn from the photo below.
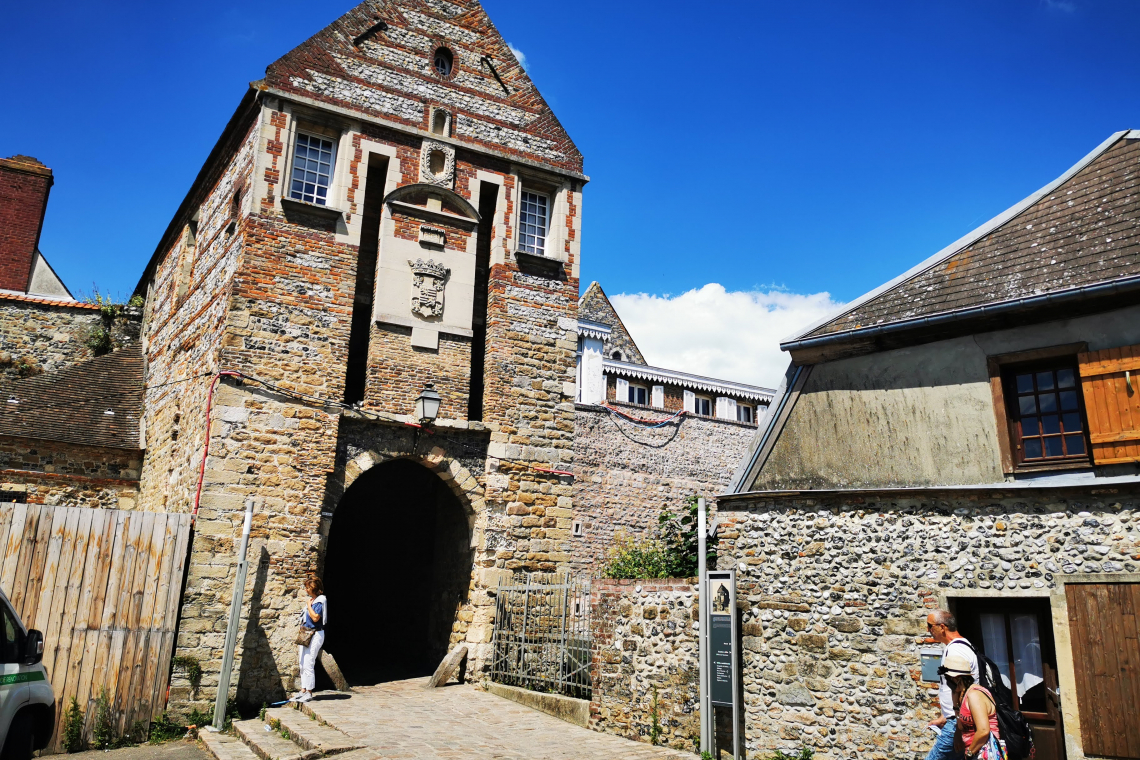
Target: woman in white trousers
(314, 618)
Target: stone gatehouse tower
(394, 204)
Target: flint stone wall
(627, 474)
(837, 588)
(644, 638)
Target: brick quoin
(24, 187)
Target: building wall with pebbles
(645, 647)
(835, 589)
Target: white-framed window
(702, 406)
(638, 394)
(745, 413)
(313, 160)
(534, 222)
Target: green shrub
(165, 730)
(635, 559)
(105, 735)
(192, 669)
(674, 555)
(73, 728)
(805, 753)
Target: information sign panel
(722, 637)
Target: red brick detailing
(24, 187)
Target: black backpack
(1013, 727)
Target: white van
(27, 704)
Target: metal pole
(702, 633)
(232, 626)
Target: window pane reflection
(994, 644)
(1027, 662)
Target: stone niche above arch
(426, 263)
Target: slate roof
(595, 306)
(377, 59)
(71, 404)
(1081, 230)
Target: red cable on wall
(206, 448)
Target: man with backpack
(943, 628)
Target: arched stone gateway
(398, 564)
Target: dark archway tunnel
(397, 568)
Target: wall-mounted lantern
(427, 405)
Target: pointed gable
(1082, 230)
(377, 59)
(596, 307)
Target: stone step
(267, 742)
(310, 733)
(225, 747)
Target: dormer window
(313, 160)
(534, 222)
(443, 60)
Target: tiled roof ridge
(44, 301)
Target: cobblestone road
(403, 720)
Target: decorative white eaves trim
(588, 329)
(685, 380)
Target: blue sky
(774, 149)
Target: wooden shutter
(1104, 619)
(1110, 380)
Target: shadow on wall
(258, 678)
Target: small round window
(443, 61)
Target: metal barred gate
(542, 637)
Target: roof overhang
(590, 329)
(686, 380)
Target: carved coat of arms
(428, 280)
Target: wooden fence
(103, 586)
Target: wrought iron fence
(542, 634)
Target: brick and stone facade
(304, 302)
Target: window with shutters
(1045, 416)
(1040, 410)
(1111, 394)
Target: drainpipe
(206, 448)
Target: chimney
(24, 187)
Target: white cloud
(714, 332)
(520, 55)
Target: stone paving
(402, 719)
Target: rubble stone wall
(50, 472)
(626, 474)
(645, 646)
(834, 664)
(39, 337)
